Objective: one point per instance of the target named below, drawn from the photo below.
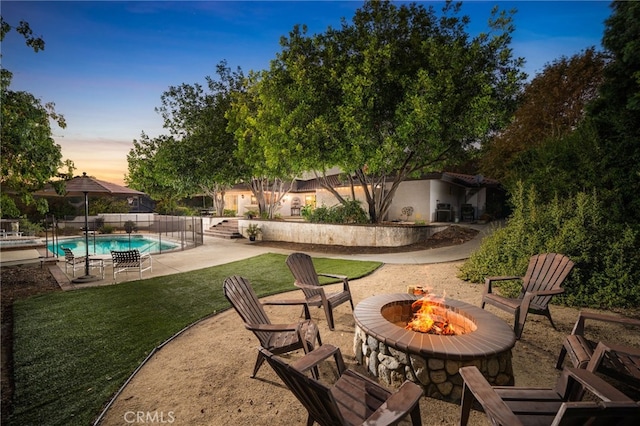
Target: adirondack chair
(72, 261)
(543, 280)
(277, 338)
(352, 400)
(306, 278)
(578, 345)
(619, 362)
(563, 405)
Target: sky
(106, 64)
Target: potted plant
(130, 226)
(253, 230)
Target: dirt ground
(202, 377)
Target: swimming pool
(103, 244)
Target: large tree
(616, 113)
(206, 159)
(268, 174)
(553, 105)
(29, 155)
(398, 92)
(153, 169)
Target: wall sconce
(242, 196)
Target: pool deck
(218, 251)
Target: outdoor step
(225, 229)
(222, 234)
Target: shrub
(606, 272)
(107, 229)
(349, 212)
(28, 228)
(228, 213)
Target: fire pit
(394, 353)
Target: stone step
(225, 229)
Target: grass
(74, 350)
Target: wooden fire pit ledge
(394, 354)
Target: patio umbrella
(83, 186)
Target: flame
(426, 316)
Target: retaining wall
(342, 235)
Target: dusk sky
(106, 64)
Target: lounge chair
(543, 280)
(130, 261)
(72, 261)
(306, 278)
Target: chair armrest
(272, 327)
(397, 405)
(578, 328)
(489, 280)
(316, 356)
(481, 390)
(344, 278)
(291, 302)
(502, 278)
(589, 381)
(315, 288)
(338, 277)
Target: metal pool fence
(186, 231)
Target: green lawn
(74, 350)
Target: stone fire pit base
(438, 377)
(394, 354)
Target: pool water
(104, 244)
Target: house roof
(469, 180)
(312, 185)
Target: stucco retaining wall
(342, 235)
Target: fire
(428, 317)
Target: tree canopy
(29, 155)
(154, 169)
(553, 106)
(616, 113)
(199, 155)
(398, 92)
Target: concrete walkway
(218, 251)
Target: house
(435, 197)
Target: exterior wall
(327, 199)
(422, 195)
(416, 194)
(443, 192)
(343, 235)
